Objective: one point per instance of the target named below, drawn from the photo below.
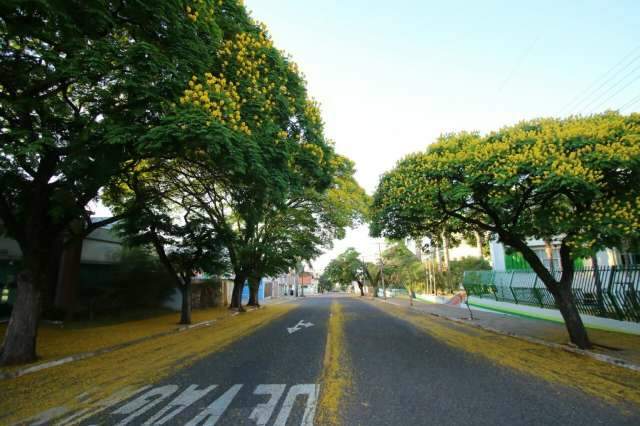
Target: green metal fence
(611, 292)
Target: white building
(504, 259)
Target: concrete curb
(598, 357)
(84, 355)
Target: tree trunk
(478, 243)
(571, 316)
(437, 254)
(548, 250)
(68, 278)
(598, 282)
(236, 295)
(50, 285)
(445, 249)
(20, 338)
(361, 287)
(561, 290)
(185, 313)
(254, 288)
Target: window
(542, 255)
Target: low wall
(554, 315)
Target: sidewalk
(622, 346)
(60, 344)
(93, 382)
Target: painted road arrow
(299, 326)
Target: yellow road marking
(336, 373)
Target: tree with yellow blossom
(255, 138)
(81, 84)
(574, 180)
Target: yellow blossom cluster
(193, 10)
(623, 216)
(312, 111)
(220, 98)
(246, 59)
(623, 151)
(315, 150)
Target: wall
(554, 315)
(101, 246)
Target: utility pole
(384, 289)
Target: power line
(594, 87)
(587, 108)
(518, 63)
(631, 103)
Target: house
(89, 261)
(506, 259)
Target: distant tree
(346, 268)
(325, 283)
(572, 180)
(374, 276)
(404, 269)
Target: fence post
(536, 293)
(493, 285)
(515, 298)
(612, 297)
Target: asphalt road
(400, 376)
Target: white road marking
(45, 417)
(182, 401)
(213, 412)
(262, 413)
(299, 326)
(146, 398)
(145, 402)
(99, 406)
(312, 392)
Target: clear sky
(393, 75)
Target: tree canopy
(345, 269)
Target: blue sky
(392, 76)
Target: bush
(450, 281)
(138, 281)
(141, 280)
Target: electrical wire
(635, 78)
(631, 103)
(594, 87)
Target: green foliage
(76, 97)
(544, 178)
(345, 203)
(403, 269)
(183, 240)
(450, 281)
(346, 268)
(325, 283)
(139, 280)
